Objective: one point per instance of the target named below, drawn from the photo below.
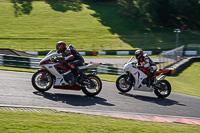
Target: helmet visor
(58, 48)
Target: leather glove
(56, 59)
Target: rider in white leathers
(145, 61)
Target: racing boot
(75, 72)
(153, 79)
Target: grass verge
(37, 25)
(16, 69)
(187, 82)
(25, 122)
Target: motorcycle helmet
(60, 46)
(68, 51)
(138, 54)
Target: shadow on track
(74, 100)
(159, 101)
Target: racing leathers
(146, 62)
(74, 60)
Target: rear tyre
(39, 84)
(124, 85)
(165, 89)
(94, 87)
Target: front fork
(128, 78)
(44, 75)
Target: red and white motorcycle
(53, 73)
(139, 79)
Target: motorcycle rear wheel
(93, 90)
(122, 85)
(165, 91)
(41, 85)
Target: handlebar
(54, 59)
(134, 64)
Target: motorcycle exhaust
(162, 77)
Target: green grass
(187, 82)
(16, 69)
(23, 122)
(44, 27)
(87, 26)
(110, 78)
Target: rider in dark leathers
(74, 59)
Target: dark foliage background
(164, 12)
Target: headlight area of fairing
(44, 62)
(127, 67)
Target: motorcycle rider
(74, 58)
(145, 61)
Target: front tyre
(39, 84)
(94, 87)
(164, 90)
(124, 83)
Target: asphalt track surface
(119, 62)
(17, 90)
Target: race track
(16, 89)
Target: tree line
(169, 13)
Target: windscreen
(130, 59)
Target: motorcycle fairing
(60, 83)
(139, 77)
(59, 77)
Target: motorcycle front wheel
(94, 87)
(165, 89)
(39, 84)
(124, 85)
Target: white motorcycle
(139, 79)
(53, 73)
